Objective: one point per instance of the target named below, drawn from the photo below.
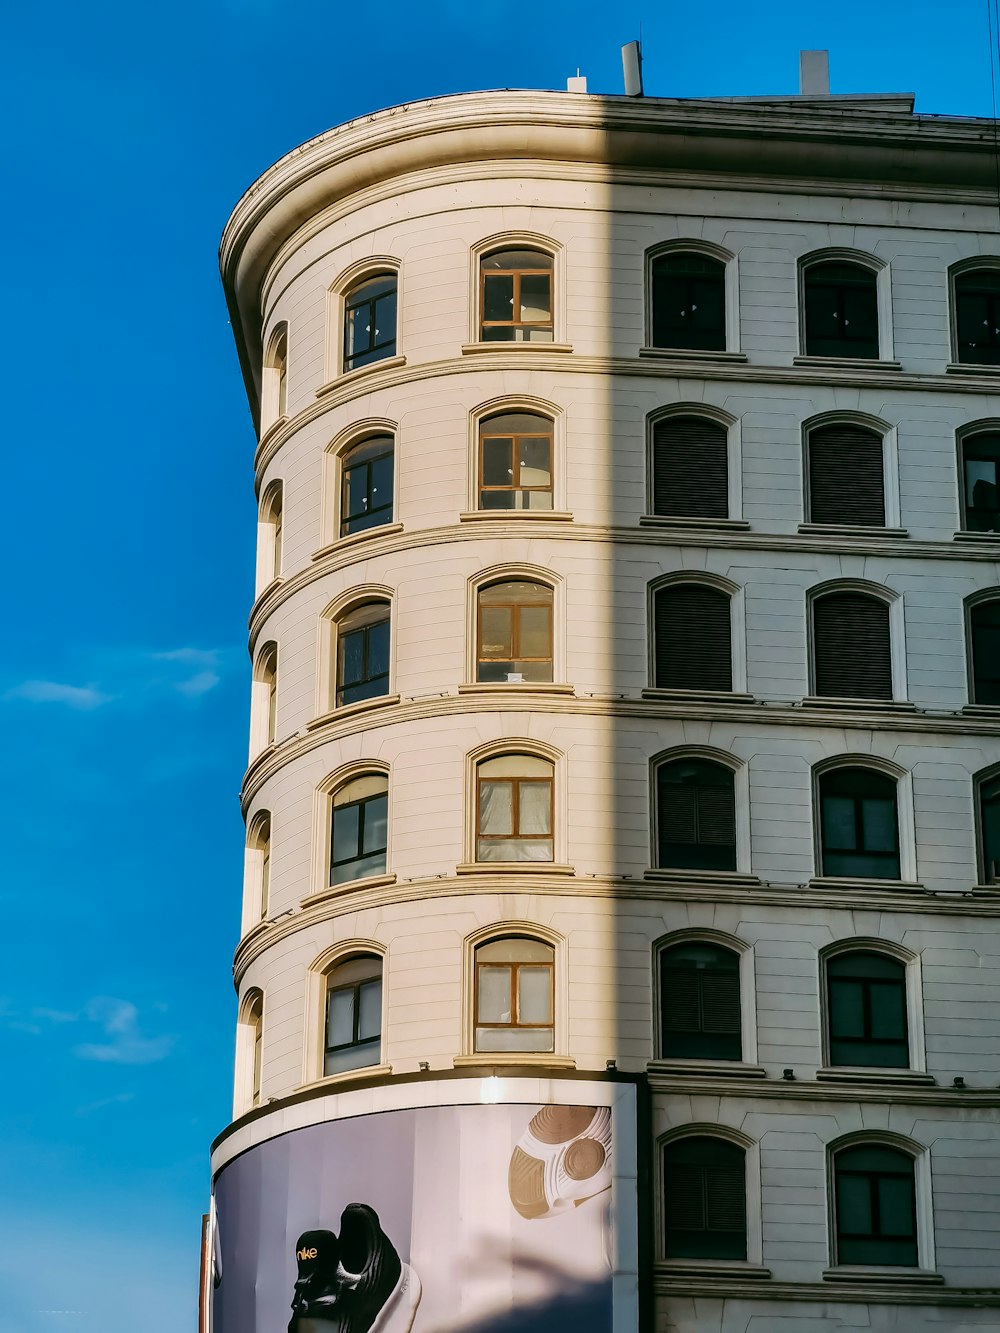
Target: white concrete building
(626, 659)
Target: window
(866, 1007)
(859, 824)
(977, 317)
(366, 485)
(704, 1199)
(515, 632)
(875, 1204)
(695, 816)
(981, 482)
(359, 828)
(370, 321)
(984, 626)
(989, 828)
(515, 462)
(516, 296)
(846, 476)
(514, 809)
(841, 310)
(692, 626)
(515, 995)
(264, 700)
(249, 1047)
(274, 384)
(259, 866)
(269, 534)
(353, 1015)
(363, 653)
(700, 1003)
(851, 646)
(690, 468)
(689, 302)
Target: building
(625, 737)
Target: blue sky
(129, 132)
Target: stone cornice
(750, 1289)
(808, 1090)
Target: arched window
(514, 808)
(264, 699)
(515, 995)
(841, 310)
(859, 824)
(258, 864)
(977, 317)
(846, 476)
(366, 485)
(269, 534)
(981, 481)
(516, 296)
(514, 632)
(692, 627)
(704, 1199)
(363, 653)
(875, 1206)
(695, 816)
(689, 302)
(515, 461)
(852, 652)
(249, 1040)
(690, 468)
(353, 1032)
(274, 385)
(700, 1003)
(989, 828)
(359, 828)
(866, 1010)
(370, 320)
(984, 630)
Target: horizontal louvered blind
(846, 476)
(690, 469)
(680, 995)
(852, 646)
(720, 1002)
(693, 638)
(704, 1199)
(700, 1003)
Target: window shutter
(846, 476)
(852, 647)
(678, 815)
(717, 816)
(685, 1201)
(690, 468)
(720, 998)
(680, 999)
(692, 625)
(726, 1191)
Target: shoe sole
(398, 1313)
(561, 1160)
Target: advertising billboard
(439, 1219)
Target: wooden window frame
(513, 968)
(516, 274)
(515, 487)
(515, 809)
(515, 608)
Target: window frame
(986, 777)
(514, 573)
(895, 610)
(904, 816)
(890, 471)
(355, 986)
(270, 535)
(258, 852)
(508, 929)
(480, 486)
(514, 835)
(360, 803)
(317, 985)
(737, 638)
(983, 597)
(247, 1085)
(829, 959)
(264, 699)
(514, 969)
(332, 483)
(517, 240)
(964, 437)
(361, 271)
(738, 770)
(963, 269)
(734, 463)
(752, 1195)
(511, 747)
(744, 952)
(922, 1191)
(880, 271)
(731, 278)
(344, 469)
(515, 608)
(342, 629)
(274, 379)
(322, 828)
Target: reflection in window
(981, 483)
(841, 310)
(704, 1199)
(370, 321)
(695, 816)
(689, 302)
(359, 833)
(859, 824)
(989, 828)
(363, 654)
(977, 317)
(875, 1206)
(984, 624)
(514, 995)
(515, 462)
(353, 1015)
(516, 296)
(366, 486)
(514, 803)
(700, 1003)
(515, 632)
(866, 995)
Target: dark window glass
(359, 836)
(370, 321)
(690, 468)
(859, 824)
(363, 656)
(876, 1206)
(984, 621)
(866, 995)
(700, 1003)
(981, 483)
(515, 632)
(977, 317)
(852, 647)
(689, 302)
(516, 296)
(989, 826)
(693, 638)
(846, 476)
(366, 486)
(841, 311)
(354, 1016)
(515, 462)
(695, 816)
(515, 995)
(704, 1200)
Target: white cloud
(203, 657)
(52, 692)
(125, 1045)
(200, 683)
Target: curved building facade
(623, 805)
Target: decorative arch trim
(361, 268)
(352, 598)
(847, 418)
(689, 245)
(359, 431)
(705, 1130)
(708, 580)
(344, 951)
(878, 591)
(876, 762)
(709, 752)
(702, 935)
(868, 944)
(838, 254)
(515, 745)
(707, 410)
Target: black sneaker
(317, 1287)
(378, 1293)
